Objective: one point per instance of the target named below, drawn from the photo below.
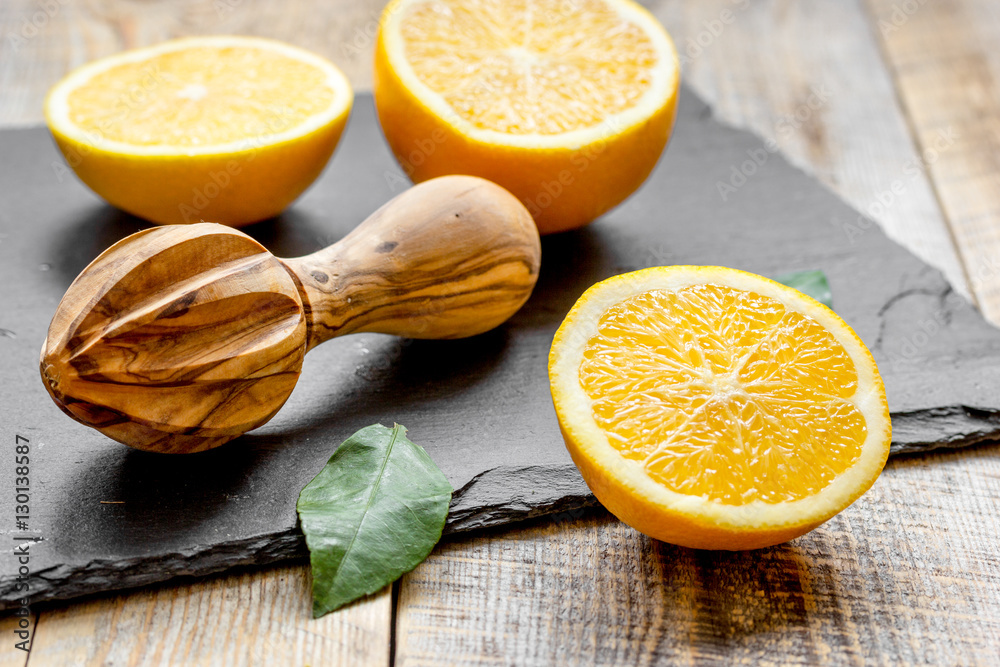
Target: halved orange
(568, 105)
(222, 129)
(716, 409)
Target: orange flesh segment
(724, 394)
(201, 97)
(529, 66)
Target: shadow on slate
(480, 406)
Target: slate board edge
(470, 510)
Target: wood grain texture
(45, 39)
(242, 619)
(808, 77)
(946, 66)
(871, 587)
(11, 656)
(451, 257)
(177, 339)
(180, 338)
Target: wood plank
(947, 71)
(905, 576)
(809, 76)
(45, 39)
(247, 618)
(10, 655)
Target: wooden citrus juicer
(180, 338)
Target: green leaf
(373, 513)
(812, 283)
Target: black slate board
(481, 406)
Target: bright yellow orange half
(716, 409)
(221, 129)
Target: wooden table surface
(892, 103)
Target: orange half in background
(566, 104)
(222, 129)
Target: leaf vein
(371, 498)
